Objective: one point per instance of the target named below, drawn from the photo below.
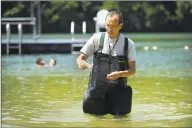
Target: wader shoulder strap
(101, 41)
(126, 46)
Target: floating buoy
(186, 47)
(146, 48)
(154, 47)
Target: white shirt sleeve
(131, 51)
(88, 48)
(91, 45)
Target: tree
(139, 16)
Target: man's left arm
(131, 71)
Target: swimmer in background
(52, 62)
(40, 62)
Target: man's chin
(111, 35)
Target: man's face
(113, 26)
(52, 62)
(42, 62)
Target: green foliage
(86, 5)
(183, 7)
(56, 9)
(152, 14)
(138, 15)
(15, 10)
(110, 5)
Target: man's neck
(115, 36)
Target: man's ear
(121, 26)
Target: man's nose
(110, 30)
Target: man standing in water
(114, 60)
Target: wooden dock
(44, 46)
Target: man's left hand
(113, 76)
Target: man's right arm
(86, 51)
(81, 61)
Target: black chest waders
(106, 96)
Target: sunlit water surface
(52, 96)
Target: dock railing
(19, 21)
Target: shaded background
(139, 16)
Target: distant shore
(141, 37)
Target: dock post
(84, 28)
(72, 30)
(20, 37)
(8, 30)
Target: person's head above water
(114, 23)
(52, 62)
(40, 62)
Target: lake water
(52, 96)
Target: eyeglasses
(111, 27)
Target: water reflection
(33, 96)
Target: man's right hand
(81, 61)
(83, 65)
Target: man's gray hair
(120, 15)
